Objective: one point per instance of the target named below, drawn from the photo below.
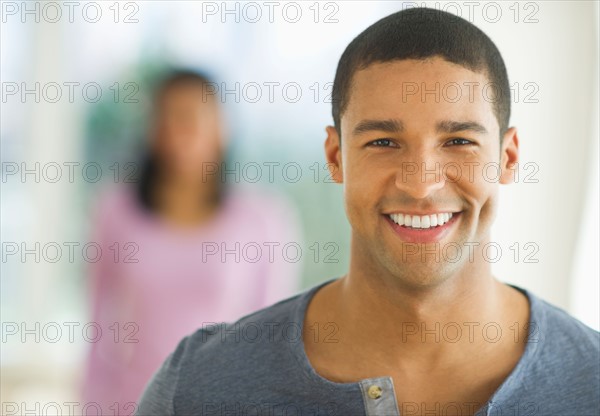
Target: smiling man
(418, 325)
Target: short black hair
(421, 33)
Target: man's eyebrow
(449, 126)
(389, 126)
(396, 126)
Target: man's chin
(421, 274)
(423, 279)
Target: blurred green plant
(116, 126)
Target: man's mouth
(428, 228)
(422, 222)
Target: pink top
(183, 279)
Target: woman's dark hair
(149, 166)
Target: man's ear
(509, 156)
(333, 154)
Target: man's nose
(420, 177)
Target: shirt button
(374, 392)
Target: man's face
(435, 157)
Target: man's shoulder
(269, 325)
(559, 372)
(268, 336)
(256, 352)
(566, 352)
(248, 356)
(558, 328)
(560, 369)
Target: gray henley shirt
(258, 366)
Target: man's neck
(426, 328)
(419, 322)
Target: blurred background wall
(75, 94)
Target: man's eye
(459, 141)
(380, 143)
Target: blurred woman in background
(179, 248)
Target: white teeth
(433, 220)
(417, 221)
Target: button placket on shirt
(379, 397)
